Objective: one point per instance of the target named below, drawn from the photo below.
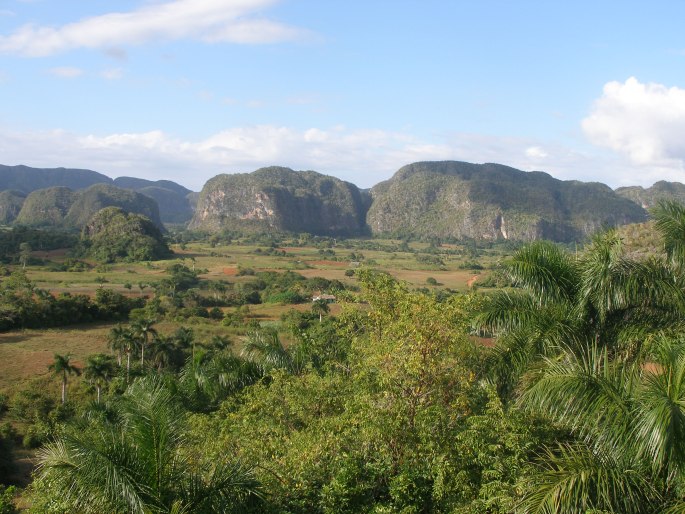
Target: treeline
(23, 305)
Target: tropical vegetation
(561, 389)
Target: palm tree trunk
(142, 355)
(128, 364)
(64, 388)
(98, 388)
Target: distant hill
(46, 207)
(139, 183)
(27, 179)
(490, 201)
(649, 197)
(174, 206)
(62, 207)
(277, 198)
(10, 205)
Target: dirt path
(469, 282)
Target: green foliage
(137, 463)
(397, 422)
(23, 305)
(112, 234)
(461, 200)
(7, 499)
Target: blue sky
(187, 89)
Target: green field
(25, 354)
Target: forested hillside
(16, 182)
(490, 201)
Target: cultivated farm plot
(26, 354)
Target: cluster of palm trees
(132, 455)
(595, 343)
(134, 338)
(99, 370)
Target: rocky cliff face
(281, 199)
(649, 197)
(491, 201)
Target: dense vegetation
(390, 403)
(16, 182)
(459, 199)
(63, 208)
(113, 234)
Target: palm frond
(576, 480)
(546, 270)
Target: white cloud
(112, 73)
(535, 152)
(643, 122)
(362, 156)
(66, 72)
(206, 20)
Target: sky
(187, 89)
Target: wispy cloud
(66, 72)
(212, 21)
(112, 73)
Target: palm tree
(629, 425)
(166, 352)
(99, 369)
(209, 379)
(139, 463)
(320, 307)
(264, 348)
(117, 341)
(62, 367)
(142, 330)
(185, 338)
(599, 298)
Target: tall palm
(143, 329)
(601, 298)
(128, 342)
(320, 307)
(99, 370)
(117, 341)
(62, 367)
(139, 463)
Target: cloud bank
(362, 156)
(211, 21)
(644, 123)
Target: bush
(7, 499)
(286, 298)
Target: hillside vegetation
(113, 234)
(174, 206)
(490, 201)
(62, 207)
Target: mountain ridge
(448, 199)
